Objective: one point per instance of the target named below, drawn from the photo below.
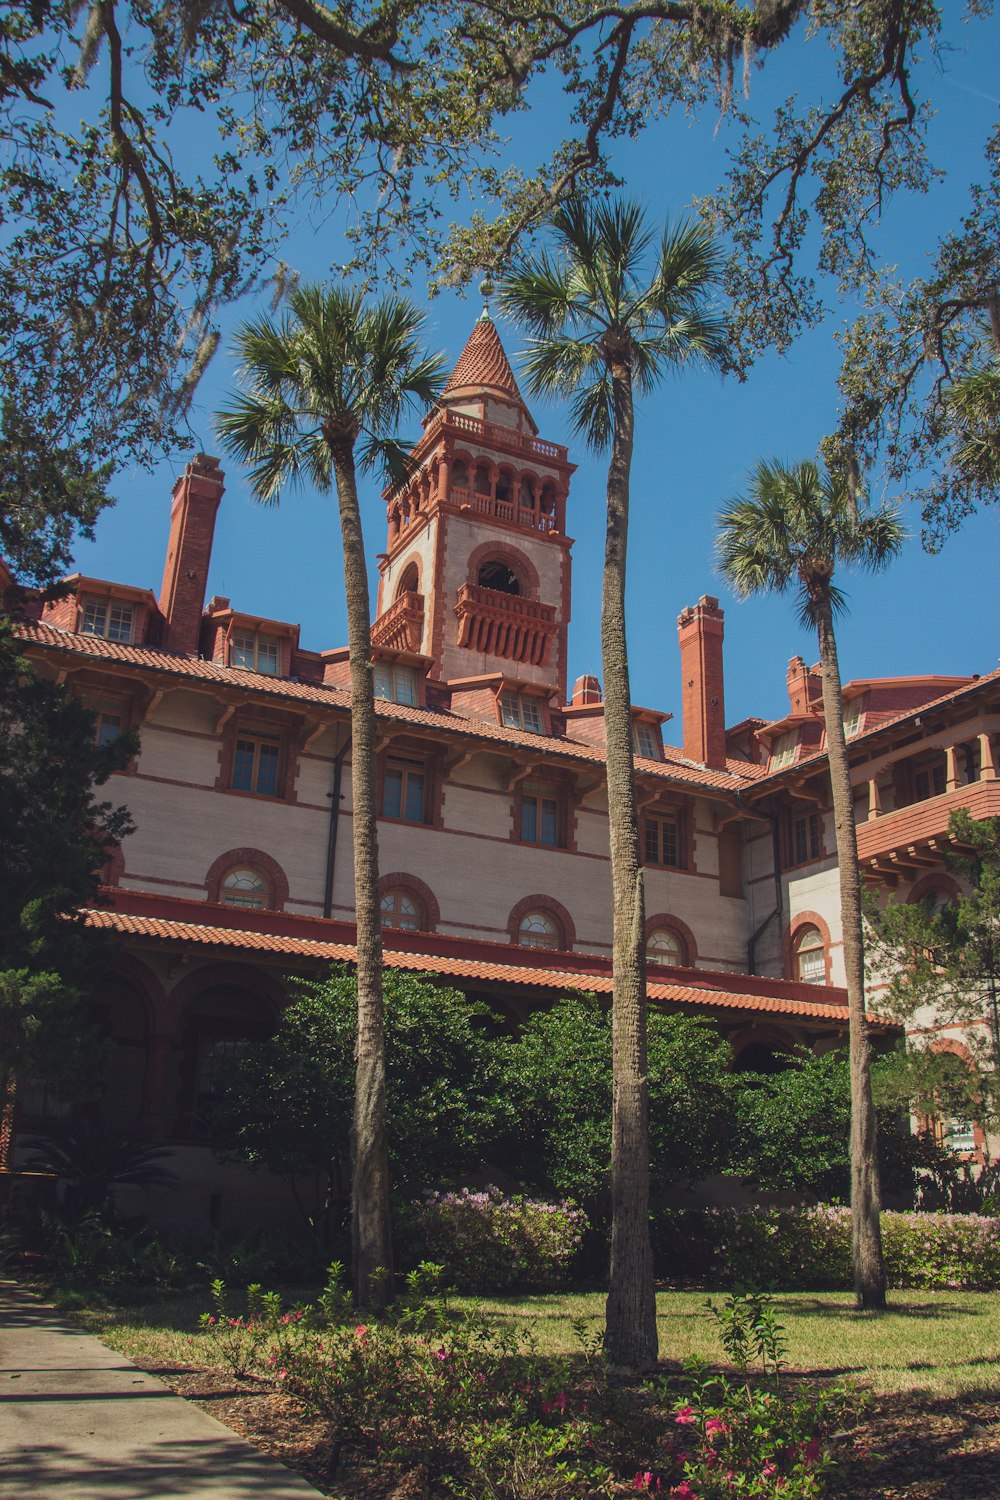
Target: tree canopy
(123, 241)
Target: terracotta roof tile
(461, 968)
(95, 648)
(483, 362)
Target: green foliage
(793, 1129)
(810, 1248)
(54, 837)
(90, 1161)
(749, 1331)
(239, 1339)
(287, 1103)
(945, 961)
(488, 1243)
(559, 1088)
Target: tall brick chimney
(586, 690)
(185, 576)
(703, 708)
(805, 687)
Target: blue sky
(697, 439)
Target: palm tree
(325, 386)
(794, 528)
(601, 330)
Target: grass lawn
(944, 1342)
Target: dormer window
(521, 711)
(107, 618)
(783, 750)
(256, 653)
(645, 741)
(852, 716)
(395, 683)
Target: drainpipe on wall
(331, 840)
(756, 936)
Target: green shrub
(810, 1248)
(489, 1243)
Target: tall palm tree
(610, 311)
(791, 531)
(325, 386)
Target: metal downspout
(331, 838)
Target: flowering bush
(240, 1338)
(489, 1243)
(811, 1247)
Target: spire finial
(486, 290)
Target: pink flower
(685, 1416)
(810, 1450)
(282, 1374)
(361, 1332)
(441, 1353)
(715, 1424)
(645, 1482)
(768, 1469)
(559, 1404)
(683, 1491)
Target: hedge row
(810, 1248)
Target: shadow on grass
(927, 1311)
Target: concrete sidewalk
(80, 1422)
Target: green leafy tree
(287, 1103)
(559, 1084)
(326, 385)
(791, 532)
(793, 1129)
(54, 838)
(941, 963)
(123, 245)
(611, 311)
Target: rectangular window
(644, 740)
(105, 618)
(521, 711)
(397, 684)
(661, 840)
(806, 838)
(108, 728)
(928, 782)
(404, 790)
(959, 1136)
(255, 764)
(257, 653)
(540, 819)
(783, 750)
(852, 717)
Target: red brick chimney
(185, 576)
(805, 687)
(703, 709)
(586, 690)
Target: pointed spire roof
(484, 363)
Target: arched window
(809, 956)
(460, 474)
(762, 1057)
(497, 575)
(537, 929)
(664, 946)
(409, 583)
(402, 910)
(527, 493)
(482, 479)
(505, 485)
(244, 888)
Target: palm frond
(591, 412)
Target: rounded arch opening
(498, 575)
(409, 581)
(215, 1028)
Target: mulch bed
(908, 1446)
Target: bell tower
(476, 572)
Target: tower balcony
(908, 841)
(504, 510)
(401, 626)
(493, 434)
(505, 625)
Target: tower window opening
(482, 479)
(497, 575)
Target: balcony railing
(916, 834)
(401, 626)
(504, 510)
(493, 434)
(505, 625)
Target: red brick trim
(254, 720)
(422, 891)
(563, 783)
(682, 809)
(255, 859)
(432, 757)
(932, 882)
(552, 908)
(518, 562)
(689, 948)
(952, 1044)
(800, 920)
(415, 560)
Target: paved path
(79, 1422)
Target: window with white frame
(257, 653)
(521, 711)
(959, 1135)
(783, 750)
(810, 956)
(664, 946)
(108, 618)
(852, 716)
(645, 741)
(244, 888)
(396, 683)
(537, 929)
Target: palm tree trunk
(631, 1311)
(866, 1230)
(371, 1234)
